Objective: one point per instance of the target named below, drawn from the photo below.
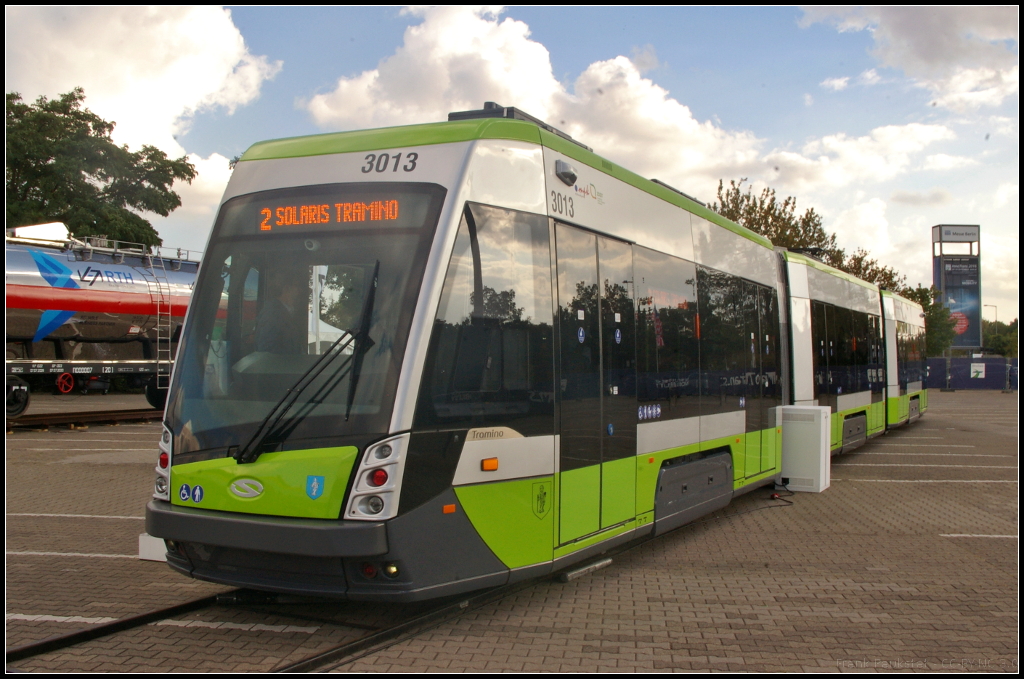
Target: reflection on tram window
(724, 341)
(490, 361)
(667, 347)
(848, 353)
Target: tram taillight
(378, 477)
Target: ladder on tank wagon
(160, 293)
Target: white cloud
(922, 198)
(839, 160)
(1006, 194)
(965, 55)
(808, 100)
(171, 62)
(865, 226)
(972, 88)
(460, 57)
(150, 70)
(456, 59)
(942, 161)
(869, 77)
(645, 58)
(1000, 273)
(835, 84)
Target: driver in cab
(281, 325)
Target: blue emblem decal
(58, 276)
(52, 271)
(611, 429)
(197, 493)
(185, 493)
(618, 336)
(581, 335)
(314, 486)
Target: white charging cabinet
(806, 447)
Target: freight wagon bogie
(426, 360)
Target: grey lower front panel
(278, 534)
(435, 553)
(691, 487)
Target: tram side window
(724, 340)
(917, 362)
(841, 361)
(820, 341)
(901, 355)
(876, 359)
(668, 369)
(770, 367)
(490, 361)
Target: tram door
(597, 382)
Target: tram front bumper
(275, 534)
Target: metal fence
(972, 373)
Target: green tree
(62, 165)
(938, 324)
(999, 337)
(778, 222)
(861, 265)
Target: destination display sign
(330, 209)
(277, 215)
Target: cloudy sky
(885, 120)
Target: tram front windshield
(300, 317)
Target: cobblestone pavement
(82, 491)
(903, 563)
(866, 576)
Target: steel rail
(86, 417)
(106, 629)
(393, 634)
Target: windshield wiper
(251, 450)
(363, 341)
(271, 426)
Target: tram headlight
(373, 504)
(160, 485)
(377, 485)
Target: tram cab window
(490, 361)
(303, 308)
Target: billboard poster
(962, 289)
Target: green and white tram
(429, 359)
(866, 366)
(906, 398)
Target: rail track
(41, 420)
(403, 622)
